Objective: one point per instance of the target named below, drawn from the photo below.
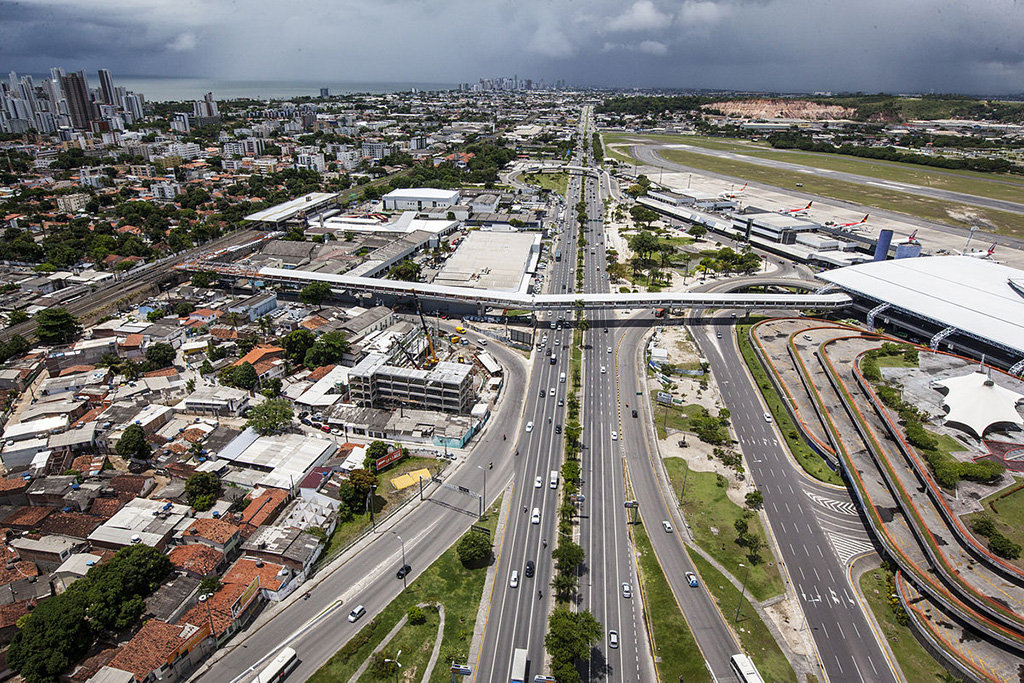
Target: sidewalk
(485, 601)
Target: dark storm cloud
(869, 45)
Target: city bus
(279, 667)
(558, 254)
(659, 312)
(744, 669)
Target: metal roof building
(957, 296)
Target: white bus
(279, 667)
(743, 667)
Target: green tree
(327, 350)
(698, 231)
(203, 278)
(408, 271)
(183, 308)
(754, 499)
(474, 549)
(160, 355)
(242, 376)
(271, 416)
(133, 444)
(297, 343)
(315, 293)
(202, 489)
(16, 317)
(209, 585)
(416, 615)
(569, 638)
(56, 326)
(569, 555)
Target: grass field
(962, 215)
(556, 182)
(680, 658)
(415, 642)
(707, 508)
(757, 640)
(675, 417)
(810, 461)
(995, 186)
(446, 581)
(384, 500)
(1008, 515)
(917, 665)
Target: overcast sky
(974, 46)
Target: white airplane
(979, 253)
(733, 195)
(850, 227)
(796, 212)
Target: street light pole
(398, 664)
(742, 593)
(483, 501)
(405, 574)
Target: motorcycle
(306, 595)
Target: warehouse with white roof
(963, 304)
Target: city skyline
(770, 45)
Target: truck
(518, 666)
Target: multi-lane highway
(810, 548)
(368, 577)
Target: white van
(561, 377)
(554, 479)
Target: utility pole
(483, 499)
(405, 574)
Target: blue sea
(161, 89)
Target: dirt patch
(782, 109)
(790, 622)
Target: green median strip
(758, 642)
(712, 518)
(915, 662)
(447, 581)
(677, 655)
(811, 462)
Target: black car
(403, 571)
(558, 429)
(529, 568)
(634, 413)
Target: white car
(535, 517)
(604, 370)
(552, 391)
(609, 349)
(529, 426)
(627, 590)
(513, 580)
(615, 436)
(538, 483)
(667, 526)
(768, 418)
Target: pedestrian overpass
(489, 298)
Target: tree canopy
(56, 326)
(315, 293)
(133, 444)
(474, 549)
(271, 416)
(202, 489)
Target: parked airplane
(979, 253)
(733, 195)
(796, 212)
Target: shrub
(416, 615)
(983, 526)
(1003, 547)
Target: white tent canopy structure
(976, 403)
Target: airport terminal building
(966, 305)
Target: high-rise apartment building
(76, 93)
(107, 87)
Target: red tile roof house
(160, 651)
(275, 582)
(197, 559)
(215, 533)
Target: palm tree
(130, 369)
(232, 318)
(653, 275)
(265, 324)
(582, 325)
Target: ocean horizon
(170, 89)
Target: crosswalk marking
(847, 548)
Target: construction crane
(431, 359)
